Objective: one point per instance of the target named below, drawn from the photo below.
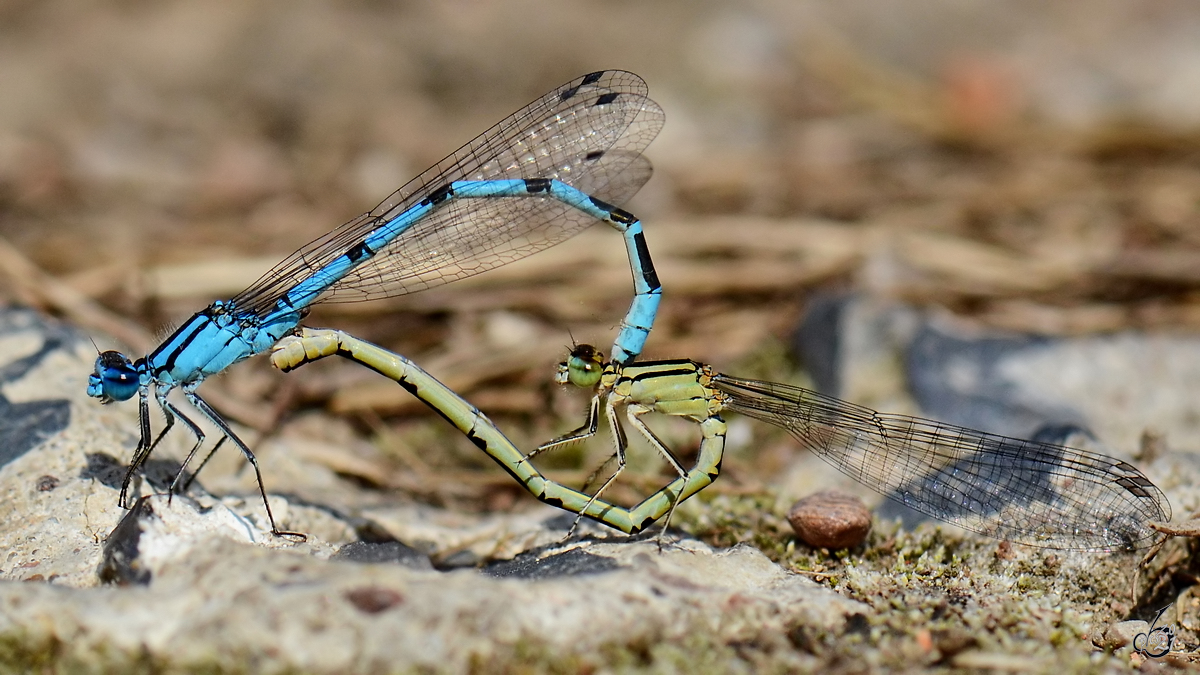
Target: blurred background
(1020, 166)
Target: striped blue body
(533, 180)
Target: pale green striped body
(669, 387)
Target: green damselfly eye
(584, 366)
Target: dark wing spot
(1135, 484)
(590, 78)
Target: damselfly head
(114, 379)
(582, 368)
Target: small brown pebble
(1122, 633)
(374, 599)
(1005, 551)
(47, 483)
(830, 519)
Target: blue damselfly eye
(115, 378)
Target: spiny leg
(176, 488)
(600, 468)
(145, 446)
(173, 412)
(189, 391)
(634, 413)
(582, 433)
(706, 470)
(621, 442)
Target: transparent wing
(588, 133)
(1024, 491)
